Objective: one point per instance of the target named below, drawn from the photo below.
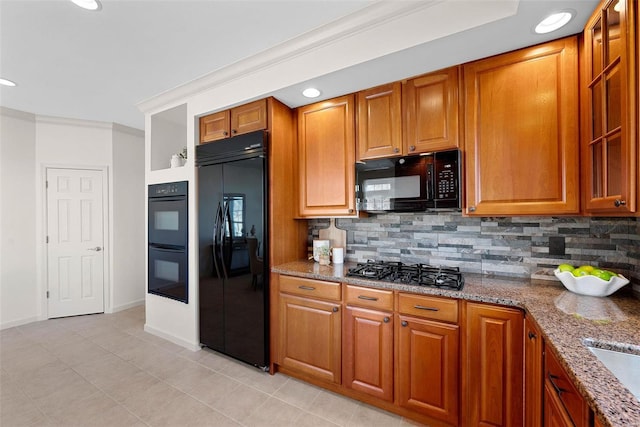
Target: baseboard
(127, 306)
(19, 322)
(179, 341)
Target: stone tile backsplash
(504, 246)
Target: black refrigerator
(233, 247)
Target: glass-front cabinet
(609, 139)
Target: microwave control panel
(446, 180)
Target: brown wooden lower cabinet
(533, 374)
(554, 414)
(310, 335)
(560, 391)
(428, 368)
(368, 352)
(492, 369)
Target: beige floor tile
(107, 370)
(115, 341)
(254, 377)
(85, 409)
(49, 379)
(185, 411)
(124, 388)
(368, 416)
(191, 376)
(311, 420)
(147, 402)
(214, 389)
(79, 352)
(36, 357)
(65, 396)
(21, 416)
(297, 393)
(239, 403)
(273, 413)
(333, 407)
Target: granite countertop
(565, 319)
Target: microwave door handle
(216, 227)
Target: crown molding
(17, 114)
(358, 22)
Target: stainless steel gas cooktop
(415, 274)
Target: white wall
(128, 242)
(18, 279)
(30, 143)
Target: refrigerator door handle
(216, 233)
(226, 222)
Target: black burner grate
(416, 274)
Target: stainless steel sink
(622, 360)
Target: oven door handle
(166, 248)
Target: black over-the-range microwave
(409, 184)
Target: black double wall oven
(168, 237)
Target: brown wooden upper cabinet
(326, 157)
(380, 121)
(609, 109)
(521, 132)
(431, 111)
(236, 121)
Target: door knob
(97, 249)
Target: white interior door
(75, 250)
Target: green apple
(579, 272)
(604, 275)
(565, 267)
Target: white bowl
(590, 285)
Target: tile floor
(104, 370)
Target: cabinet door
(249, 117)
(326, 148)
(609, 109)
(431, 112)
(310, 337)
(492, 370)
(554, 413)
(428, 367)
(521, 134)
(368, 352)
(214, 127)
(380, 122)
(533, 375)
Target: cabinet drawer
(367, 297)
(563, 387)
(310, 287)
(435, 308)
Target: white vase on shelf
(176, 161)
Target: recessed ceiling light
(311, 92)
(553, 22)
(5, 82)
(88, 4)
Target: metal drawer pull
(364, 297)
(307, 288)
(404, 323)
(422, 307)
(386, 319)
(334, 309)
(554, 385)
(532, 336)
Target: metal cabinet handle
(97, 249)
(396, 150)
(225, 133)
(234, 131)
(367, 298)
(404, 323)
(307, 288)
(412, 148)
(555, 386)
(619, 203)
(472, 208)
(386, 319)
(422, 307)
(532, 336)
(334, 309)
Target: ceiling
(73, 63)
